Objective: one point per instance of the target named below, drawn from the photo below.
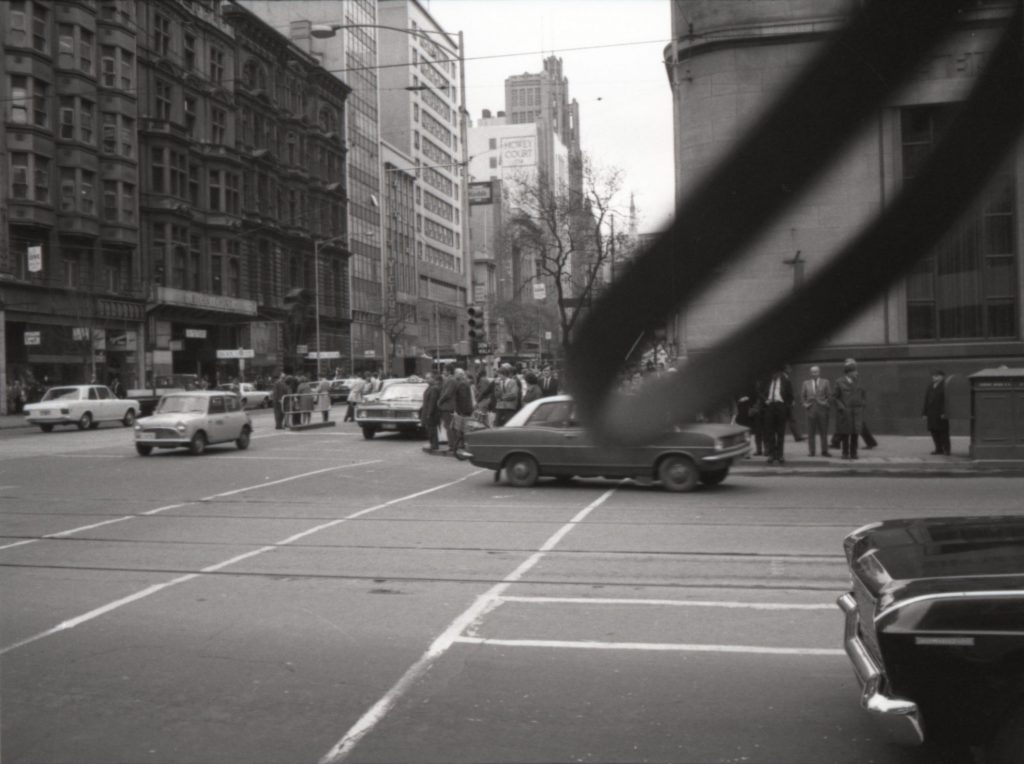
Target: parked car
(85, 406)
(396, 407)
(544, 438)
(935, 630)
(251, 397)
(340, 388)
(194, 420)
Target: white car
(84, 406)
(251, 397)
(194, 420)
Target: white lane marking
(150, 590)
(485, 602)
(72, 531)
(674, 603)
(651, 646)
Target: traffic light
(475, 328)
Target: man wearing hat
(934, 412)
(849, 398)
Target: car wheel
(85, 422)
(46, 427)
(243, 440)
(521, 470)
(677, 473)
(142, 450)
(129, 418)
(714, 477)
(1007, 745)
(369, 432)
(197, 445)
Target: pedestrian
(305, 393)
(864, 433)
(292, 401)
(430, 414)
(16, 397)
(748, 414)
(778, 399)
(355, 396)
(816, 395)
(277, 395)
(792, 423)
(463, 395)
(548, 382)
(849, 398)
(506, 390)
(935, 413)
(533, 390)
(484, 397)
(323, 402)
(116, 387)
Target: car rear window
(556, 414)
(61, 394)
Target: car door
(95, 404)
(217, 427)
(105, 404)
(558, 442)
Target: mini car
(251, 397)
(194, 420)
(934, 628)
(85, 406)
(395, 408)
(545, 438)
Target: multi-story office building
(423, 117)
(543, 98)
(71, 270)
(961, 307)
(404, 347)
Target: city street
(321, 597)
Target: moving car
(194, 420)
(935, 630)
(395, 408)
(84, 406)
(340, 388)
(251, 397)
(544, 438)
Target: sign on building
(519, 151)
(35, 258)
(33, 338)
(480, 193)
(540, 292)
(238, 353)
(195, 334)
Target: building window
(216, 65)
(190, 115)
(72, 269)
(216, 190)
(158, 171)
(162, 95)
(218, 126)
(111, 200)
(77, 190)
(26, 93)
(161, 35)
(40, 28)
(965, 288)
(234, 271)
(30, 177)
(179, 175)
(193, 185)
(195, 256)
(118, 134)
(117, 67)
(189, 42)
(76, 119)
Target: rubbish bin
(997, 414)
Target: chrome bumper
(900, 718)
(737, 452)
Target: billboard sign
(519, 151)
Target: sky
(611, 53)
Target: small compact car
(194, 420)
(544, 438)
(85, 406)
(395, 408)
(935, 631)
(251, 397)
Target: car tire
(46, 427)
(142, 450)
(1007, 745)
(677, 473)
(85, 421)
(521, 470)
(243, 440)
(197, 445)
(129, 418)
(714, 477)
(369, 432)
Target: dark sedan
(545, 439)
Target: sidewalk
(895, 454)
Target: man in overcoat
(934, 412)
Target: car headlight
(138, 428)
(180, 427)
(719, 445)
(65, 411)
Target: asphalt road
(321, 597)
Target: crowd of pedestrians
(454, 396)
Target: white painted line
(85, 617)
(673, 603)
(651, 646)
(72, 531)
(484, 603)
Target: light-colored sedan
(194, 420)
(85, 406)
(251, 397)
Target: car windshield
(61, 394)
(402, 392)
(182, 404)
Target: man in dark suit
(778, 398)
(934, 412)
(817, 398)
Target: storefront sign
(195, 334)
(540, 292)
(225, 355)
(187, 299)
(122, 341)
(35, 258)
(33, 338)
(369, 353)
(323, 354)
(480, 193)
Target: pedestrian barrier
(300, 411)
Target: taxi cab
(194, 420)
